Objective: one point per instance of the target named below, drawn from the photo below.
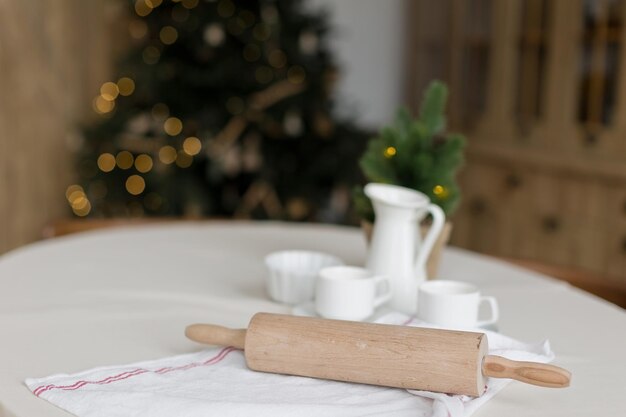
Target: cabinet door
(583, 204)
(523, 213)
(474, 221)
(568, 221)
(451, 40)
(492, 214)
(616, 234)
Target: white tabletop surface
(124, 295)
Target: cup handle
(385, 296)
(495, 313)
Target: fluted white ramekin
(292, 274)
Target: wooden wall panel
(53, 57)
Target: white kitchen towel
(217, 382)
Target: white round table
(124, 295)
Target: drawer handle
(477, 206)
(513, 181)
(551, 224)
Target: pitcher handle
(431, 237)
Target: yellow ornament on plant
(440, 191)
(390, 152)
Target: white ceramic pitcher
(397, 249)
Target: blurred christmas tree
(221, 108)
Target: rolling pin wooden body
(395, 356)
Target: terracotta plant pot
(432, 265)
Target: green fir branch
(416, 153)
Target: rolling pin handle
(216, 335)
(540, 374)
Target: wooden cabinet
(539, 88)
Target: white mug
(349, 292)
(453, 304)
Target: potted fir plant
(418, 154)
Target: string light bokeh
(198, 116)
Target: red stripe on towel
(79, 384)
(125, 375)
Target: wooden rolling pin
(395, 356)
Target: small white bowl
(292, 274)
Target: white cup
(453, 304)
(349, 292)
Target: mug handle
(495, 313)
(386, 296)
(439, 218)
